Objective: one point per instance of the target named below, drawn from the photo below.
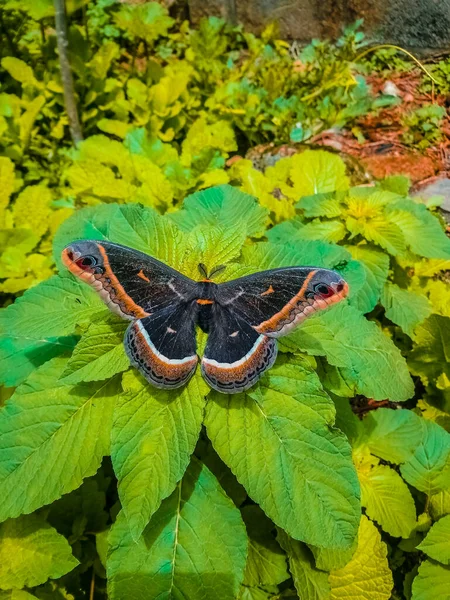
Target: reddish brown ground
(383, 152)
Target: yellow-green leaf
(367, 576)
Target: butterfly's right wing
(236, 355)
(274, 302)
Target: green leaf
(168, 561)
(367, 576)
(31, 552)
(431, 582)
(16, 595)
(20, 357)
(317, 172)
(428, 469)
(278, 441)
(330, 560)
(154, 434)
(67, 432)
(19, 70)
(222, 206)
(430, 356)
(422, 231)
(99, 354)
(437, 542)
(266, 563)
(404, 308)
(366, 356)
(270, 256)
(144, 229)
(147, 21)
(387, 500)
(322, 205)
(376, 266)
(392, 435)
(40, 321)
(310, 583)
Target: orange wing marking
(203, 301)
(142, 276)
(271, 324)
(269, 291)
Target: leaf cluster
(249, 496)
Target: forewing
(274, 302)
(163, 346)
(236, 355)
(131, 283)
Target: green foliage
(422, 127)
(175, 512)
(291, 442)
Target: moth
(242, 317)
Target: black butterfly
(242, 317)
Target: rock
(437, 187)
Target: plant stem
(66, 73)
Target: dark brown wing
(274, 302)
(236, 355)
(163, 346)
(131, 283)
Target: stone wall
(416, 24)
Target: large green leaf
(392, 435)
(367, 576)
(144, 229)
(431, 582)
(154, 434)
(222, 206)
(437, 542)
(42, 321)
(387, 499)
(428, 469)
(421, 230)
(51, 437)
(310, 583)
(31, 552)
(430, 356)
(266, 562)
(405, 308)
(368, 358)
(279, 441)
(16, 595)
(195, 546)
(99, 354)
(376, 266)
(317, 172)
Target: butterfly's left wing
(274, 302)
(163, 346)
(131, 283)
(160, 341)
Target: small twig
(92, 588)
(66, 73)
(399, 49)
